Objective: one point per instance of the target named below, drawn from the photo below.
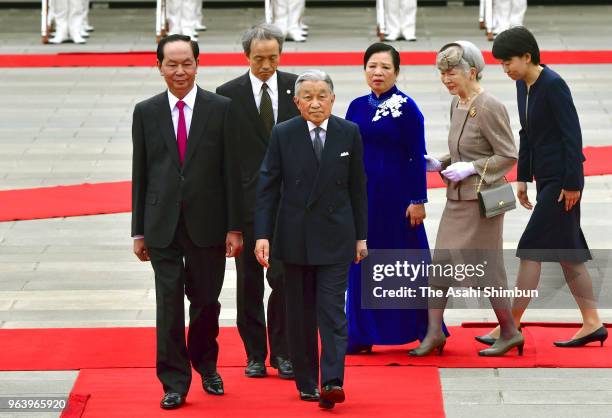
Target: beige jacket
(476, 135)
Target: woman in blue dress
(392, 132)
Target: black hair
(516, 42)
(380, 47)
(176, 38)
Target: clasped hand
(459, 171)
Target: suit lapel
(199, 120)
(285, 97)
(330, 151)
(460, 131)
(166, 128)
(249, 104)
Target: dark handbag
(495, 200)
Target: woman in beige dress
(481, 146)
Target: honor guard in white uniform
(68, 15)
(507, 14)
(287, 16)
(199, 23)
(399, 19)
(182, 18)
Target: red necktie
(181, 132)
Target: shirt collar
(257, 83)
(189, 99)
(312, 126)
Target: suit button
(297, 182)
(330, 209)
(339, 182)
(182, 178)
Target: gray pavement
(72, 125)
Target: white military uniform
(199, 18)
(400, 19)
(182, 18)
(287, 15)
(68, 15)
(508, 13)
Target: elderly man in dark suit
(186, 214)
(261, 98)
(313, 177)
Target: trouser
(182, 269)
(400, 18)
(315, 299)
(251, 319)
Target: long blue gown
(392, 131)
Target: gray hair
(313, 75)
(461, 54)
(262, 32)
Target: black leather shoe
(331, 395)
(601, 335)
(255, 368)
(213, 384)
(284, 367)
(172, 400)
(311, 396)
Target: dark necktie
(318, 144)
(265, 109)
(181, 132)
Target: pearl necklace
(471, 97)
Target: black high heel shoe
(487, 339)
(423, 350)
(600, 334)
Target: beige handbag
(495, 200)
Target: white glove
(458, 171)
(432, 164)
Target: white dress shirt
(322, 134)
(272, 91)
(189, 100)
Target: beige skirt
(465, 238)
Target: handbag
(495, 200)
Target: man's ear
(159, 67)
(527, 57)
(296, 100)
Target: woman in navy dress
(551, 152)
(392, 132)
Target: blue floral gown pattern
(393, 135)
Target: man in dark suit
(260, 98)
(313, 177)
(186, 214)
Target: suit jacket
(206, 188)
(550, 138)
(481, 133)
(322, 210)
(253, 139)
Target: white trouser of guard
(50, 12)
(199, 18)
(508, 13)
(86, 13)
(181, 16)
(68, 18)
(287, 14)
(400, 18)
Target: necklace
(469, 99)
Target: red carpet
(101, 348)
(147, 59)
(93, 199)
(371, 391)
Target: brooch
(473, 112)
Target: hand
(262, 252)
(140, 249)
(571, 198)
(361, 251)
(233, 244)
(432, 164)
(459, 170)
(416, 214)
(521, 194)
